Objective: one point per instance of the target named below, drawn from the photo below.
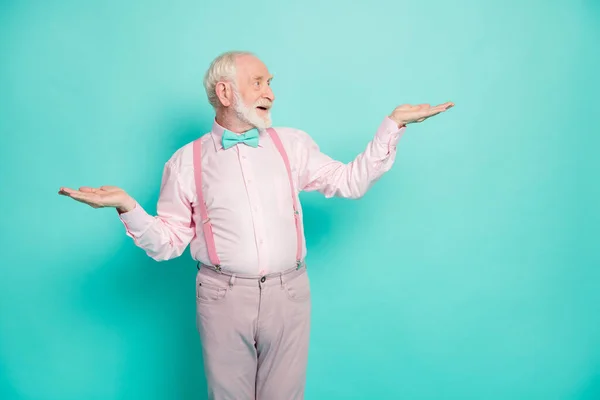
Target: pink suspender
(206, 225)
(286, 161)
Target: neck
(230, 121)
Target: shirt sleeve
(166, 235)
(321, 173)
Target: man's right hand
(104, 196)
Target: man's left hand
(409, 114)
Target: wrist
(126, 205)
(399, 123)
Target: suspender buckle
(298, 264)
(218, 267)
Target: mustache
(264, 103)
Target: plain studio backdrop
(470, 271)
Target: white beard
(248, 114)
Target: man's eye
(257, 83)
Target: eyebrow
(260, 78)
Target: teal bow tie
(231, 139)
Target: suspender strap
(206, 225)
(286, 161)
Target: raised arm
(352, 180)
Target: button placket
(253, 197)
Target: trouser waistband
(251, 280)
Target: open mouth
(263, 108)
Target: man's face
(253, 97)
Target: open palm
(104, 196)
(409, 114)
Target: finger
(434, 113)
(445, 106)
(89, 203)
(108, 187)
(87, 189)
(75, 193)
(436, 110)
(426, 113)
(88, 198)
(66, 191)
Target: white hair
(222, 68)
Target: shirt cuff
(136, 221)
(388, 133)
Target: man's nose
(269, 94)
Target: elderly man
(232, 195)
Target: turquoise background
(470, 271)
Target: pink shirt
(247, 195)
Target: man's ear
(224, 93)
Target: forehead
(250, 67)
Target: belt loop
(232, 280)
(281, 279)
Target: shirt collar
(217, 135)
